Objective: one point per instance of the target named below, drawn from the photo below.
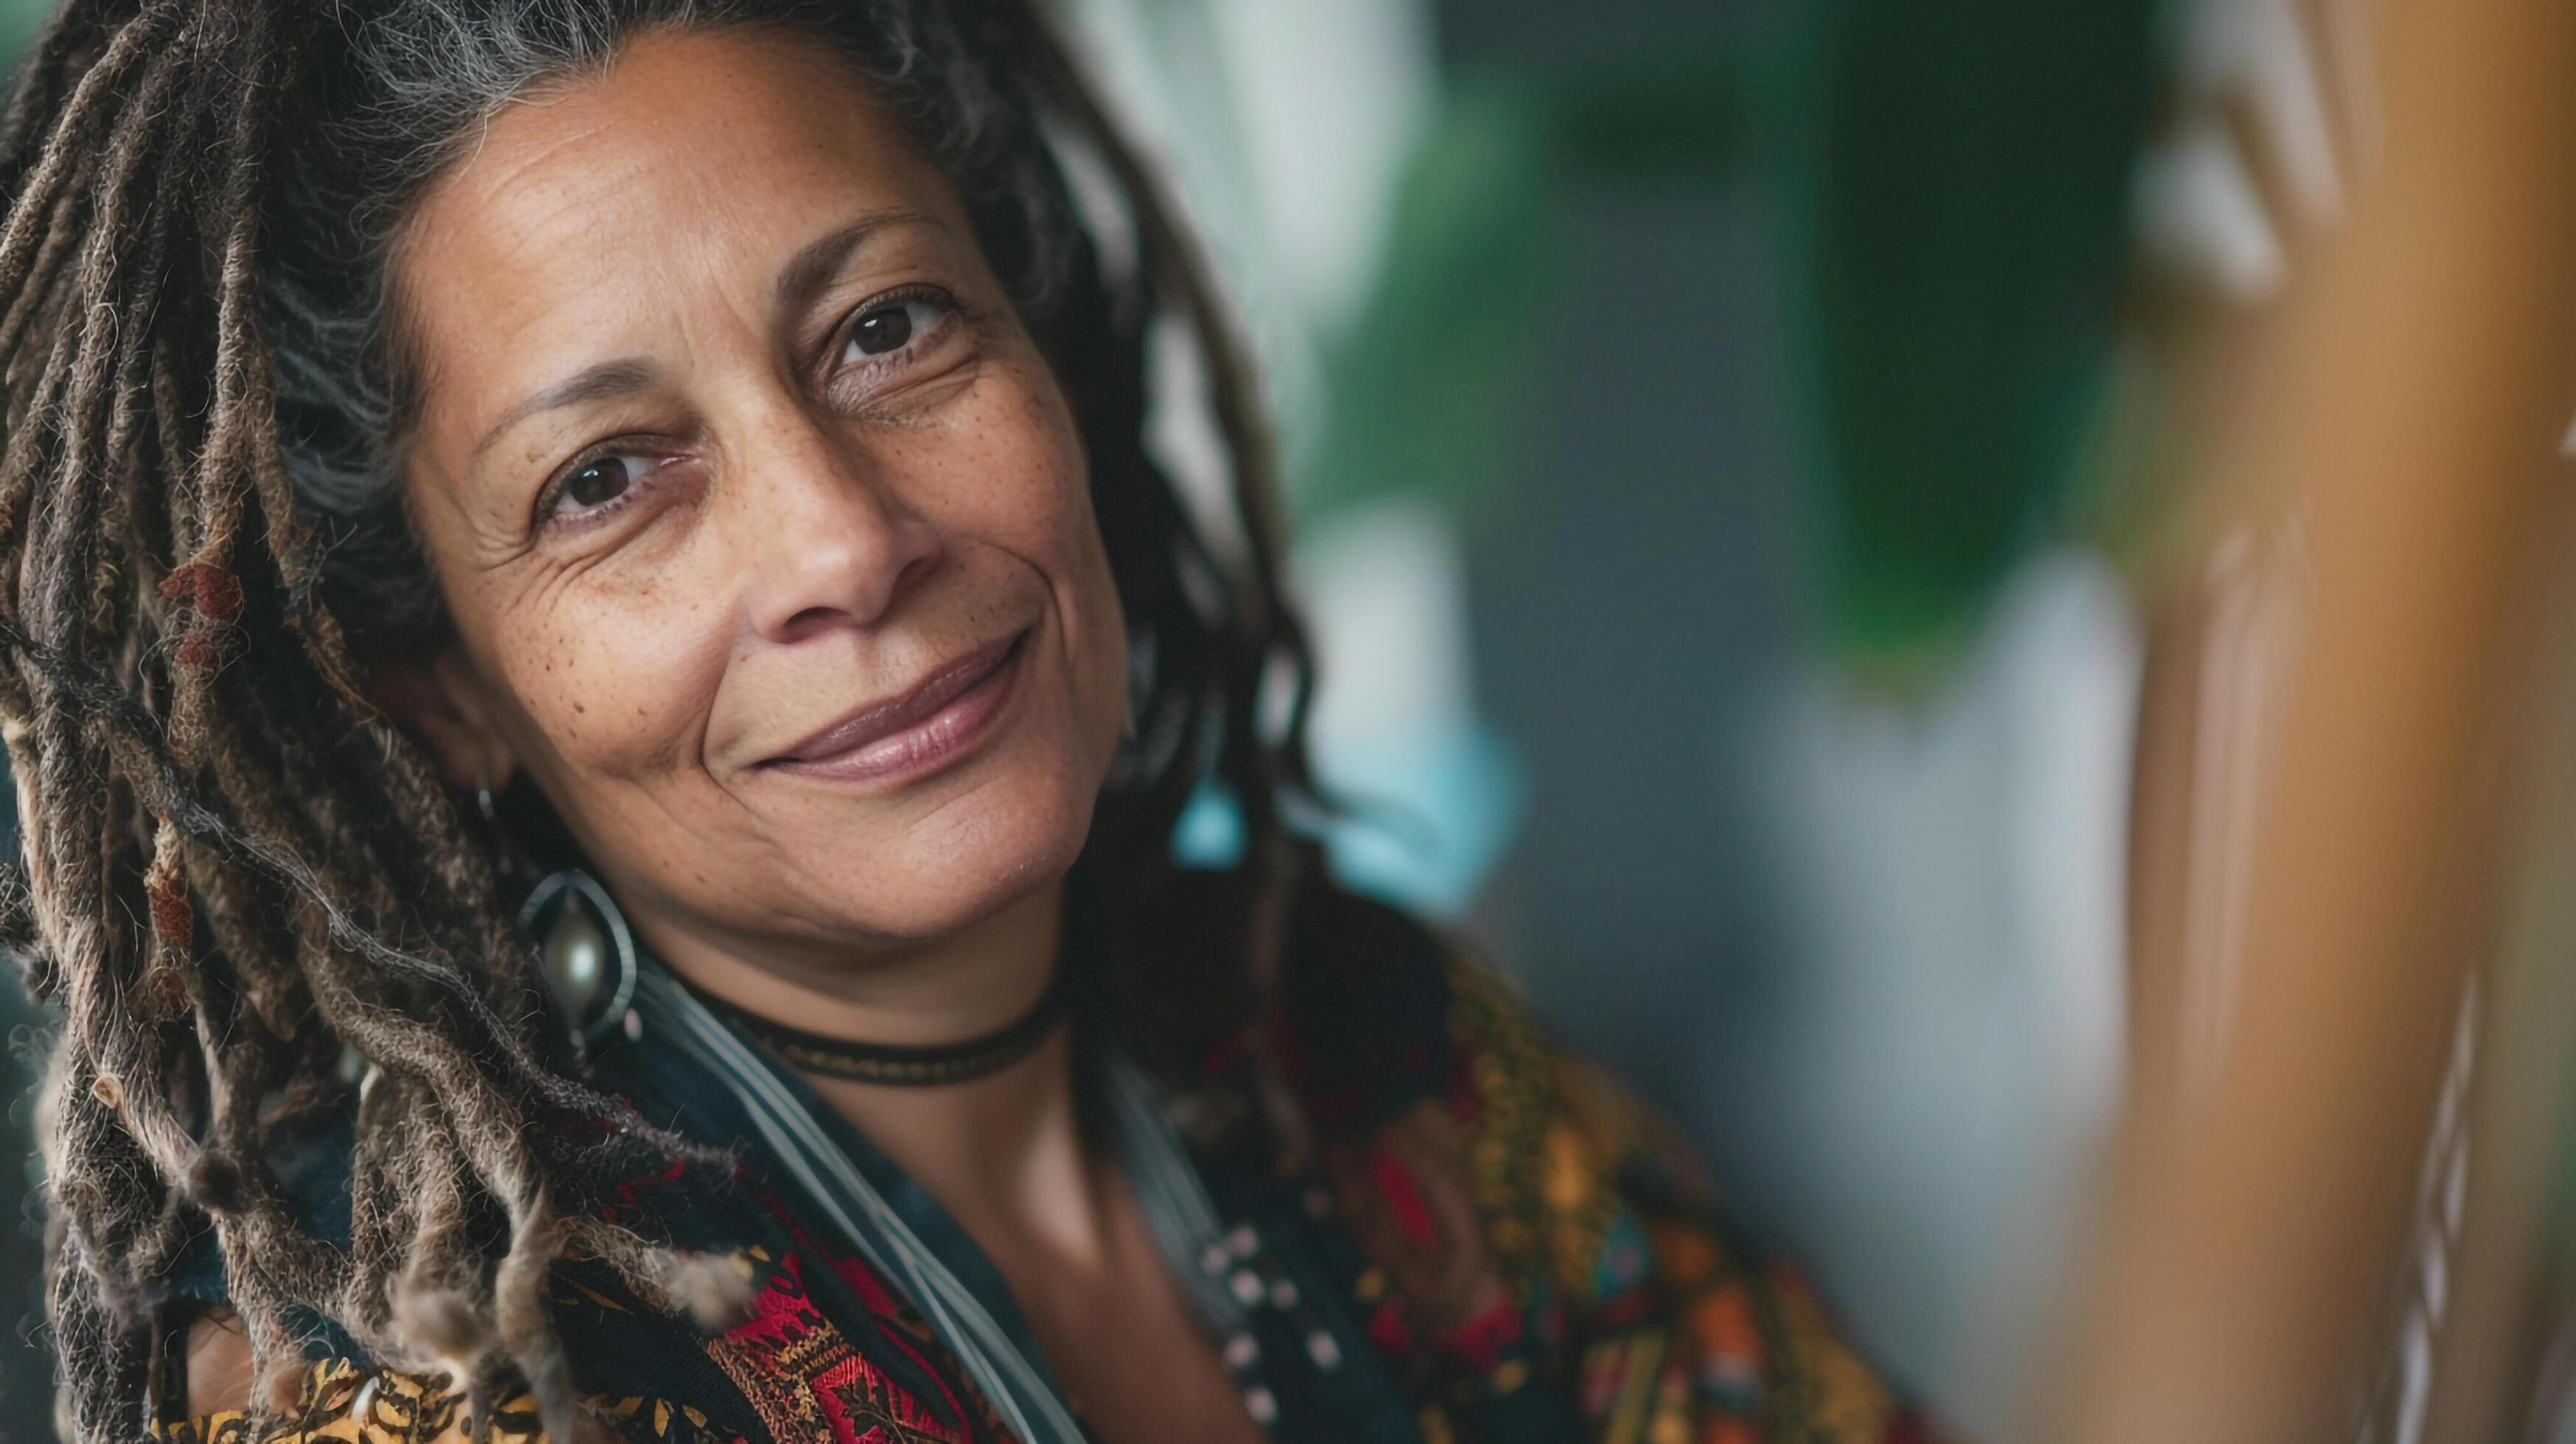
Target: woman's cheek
(610, 684)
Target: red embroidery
(807, 1382)
(1404, 1201)
(1482, 1340)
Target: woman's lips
(938, 718)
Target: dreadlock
(238, 876)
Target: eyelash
(550, 496)
(844, 337)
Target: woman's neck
(968, 984)
(1004, 1153)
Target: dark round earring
(585, 952)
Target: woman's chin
(969, 860)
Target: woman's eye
(600, 481)
(890, 326)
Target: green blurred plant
(1958, 179)
(1428, 392)
(1953, 185)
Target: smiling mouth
(942, 715)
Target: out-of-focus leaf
(1423, 394)
(1954, 181)
(1663, 119)
(1429, 391)
(1958, 191)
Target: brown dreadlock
(236, 872)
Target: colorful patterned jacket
(1476, 1237)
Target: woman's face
(764, 526)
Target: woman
(600, 675)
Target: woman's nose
(832, 543)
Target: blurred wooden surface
(2484, 1359)
(2412, 402)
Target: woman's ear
(447, 706)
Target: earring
(585, 951)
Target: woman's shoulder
(1532, 1214)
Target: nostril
(812, 619)
(819, 570)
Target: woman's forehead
(694, 174)
(684, 133)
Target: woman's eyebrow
(819, 260)
(799, 282)
(622, 377)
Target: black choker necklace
(905, 1065)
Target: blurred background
(1751, 582)
(1788, 776)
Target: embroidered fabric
(1473, 1237)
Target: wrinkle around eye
(917, 402)
(904, 399)
(946, 339)
(639, 525)
(550, 509)
(491, 536)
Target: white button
(1258, 1403)
(1247, 1289)
(1214, 1260)
(1243, 1241)
(1240, 1351)
(1321, 1348)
